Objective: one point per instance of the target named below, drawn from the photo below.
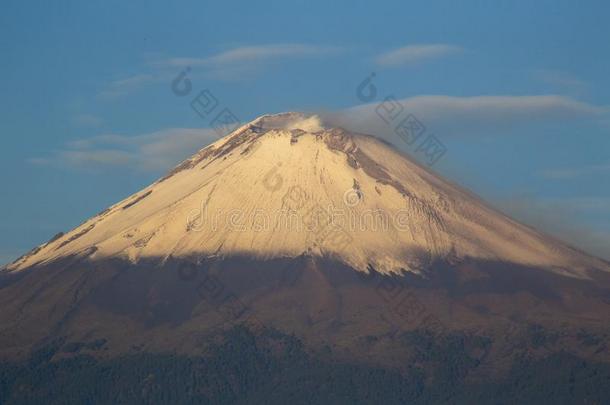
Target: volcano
(292, 254)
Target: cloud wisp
(237, 62)
(123, 87)
(471, 115)
(451, 115)
(233, 64)
(258, 53)
(561, 81)
(415, 54)
(574, 172)
(156, 151)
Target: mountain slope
(283, 185)
(293, 255)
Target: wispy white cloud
(122, 87)
(156, 151)
(413, 54)
(561, 80)
(575, 172)
(469, 115)
(257, 53)
(93, 158)
(501, 109)
(237, 63)
(241, 62)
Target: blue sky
(518, 92)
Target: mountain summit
(284, 185)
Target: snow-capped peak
(268, 190)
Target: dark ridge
(340, 140)
(250, 148)
(103, 212)
(236, 140)
(137, 200)
(39, 248)
(55, 237)
(295, 134)
(189, 163)
(248, 135)
(142, 242)
(257, 129)
(75, 236)
(28, 254)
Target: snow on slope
(283, 185)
